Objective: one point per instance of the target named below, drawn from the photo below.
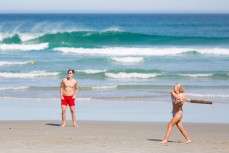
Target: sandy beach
(113, 137)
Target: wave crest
(104, 87)
(90, 71)
(209, 95)
(3, 63)
(120, 51)
(31, 74)
(128, 59)
(24, 47)
(123, 75)
(13, 88)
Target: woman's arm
(177, 97)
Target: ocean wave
(29, 36)
(120, 51)
(123, 75)
(14, 88)
(197, 75)
(19, 37)
(146, 74)
(215, 75)
(23, 47)
(90, 71)
(31, 74)
(7, 63)
(104, 87)
(109, 36)
(208, 95)
(128, 59)
(33, 34)
(115, 36)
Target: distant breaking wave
(128, 59)
(147, 74)
(117, 37)
(118, 74)
(91, 71)
(209, 95)
(7, 63)
(123, 75)
(110, 36)
(104, 87)
(31, 74)
(13, 88)
(24, 47)
(121, 51)
(197, 75)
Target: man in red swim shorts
(68, 92)
(68, 100)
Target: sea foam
(121, 51)
(197, 75)
(104, 87)
(7, 63)
(123, 75)
(128, 59)
(14, 88)
(90, 71)
(31, 74)
(208, 95)
(24, 47)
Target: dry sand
(109, 137)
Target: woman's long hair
(180, 88)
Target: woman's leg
(174, 120)
(182, 130)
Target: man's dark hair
(71, 70)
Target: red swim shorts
(68, 100)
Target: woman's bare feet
(188, 141)
(164, 141)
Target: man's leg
(72, 108)
(63, 107)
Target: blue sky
(115, 6)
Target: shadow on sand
(159, 140)
(53, 124)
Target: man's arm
(76, 90)
(61, 89)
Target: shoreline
(108, 136)
(111, 111)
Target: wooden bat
(197, 101)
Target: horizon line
(111, 12)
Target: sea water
(116, 57)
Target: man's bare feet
(75, 125)
(63, 125)
(188, 141)
(164, 141)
